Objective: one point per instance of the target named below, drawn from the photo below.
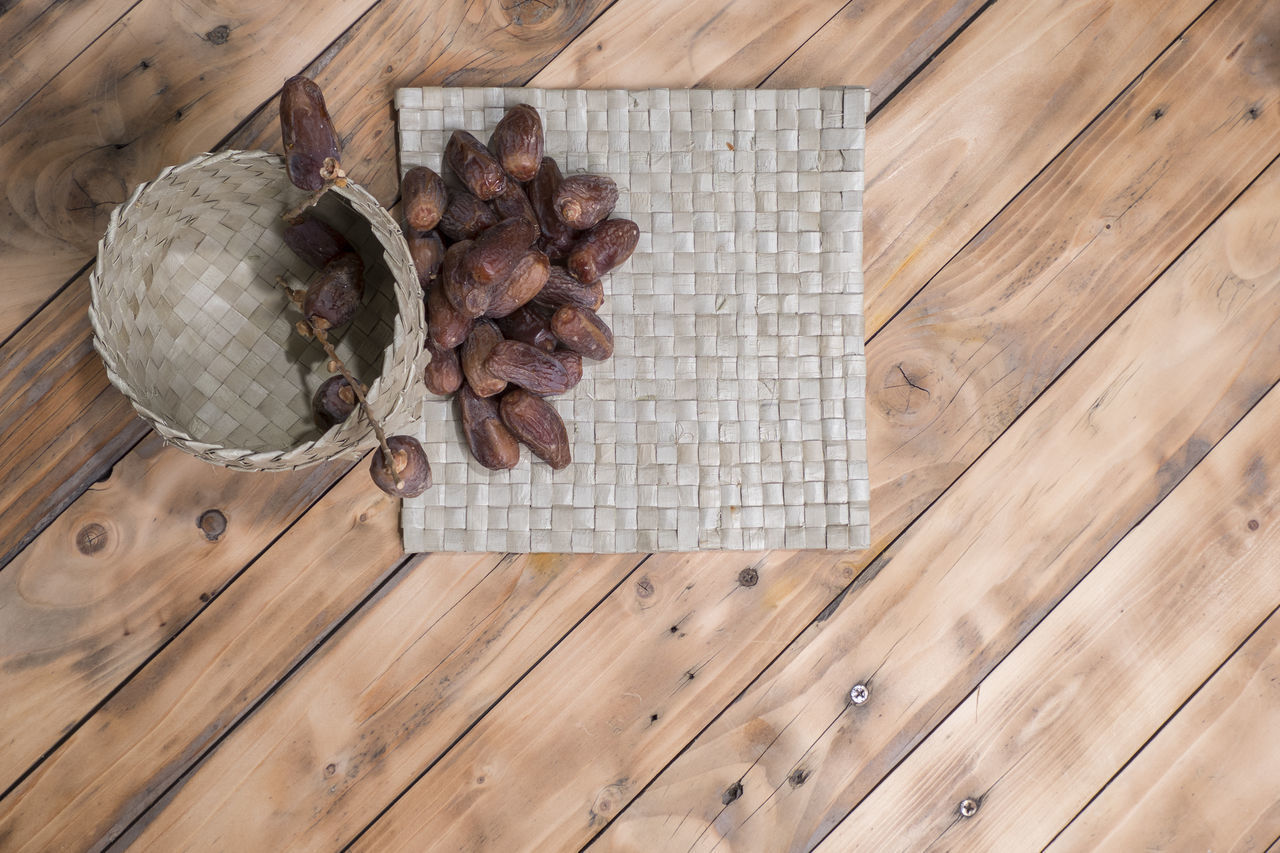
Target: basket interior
(204, 335)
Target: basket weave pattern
(196, 333)
(732, 414)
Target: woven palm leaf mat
(732, 414)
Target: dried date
(443, 374)
(582, 330)
(572, 364)
(529, 367)
(484, 336)
(536, 423)
(603, 248)
(314, 241)
(563, 289)
(333, 296)
(583, 200)
(529, 324)
(465, 216)
(446, 327)
(479, 171)
(557, 238)
(513, 202)
(423, 197)
(495, 252)
(427, 250)
(517, 142)
(523, 283)
(309, 138)
(467, 297)
(491, 443)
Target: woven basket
(195, 331)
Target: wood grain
(981, 120)
(202, 683)
(117, 575)
(907, 35)
(62, 425)
(153, 91)
(380, 701)
(582, 733)
(1112, 662)
(928, 620)
(1207, 781)
(639, 44)
(1006, 316)
(39, 39)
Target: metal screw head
(859, 694)
(968, 807)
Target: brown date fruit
(479, 171)
(446, 328)
(582, 330)
(517, 142)
(484, 336)
(535, 422)
(522, 284)
(603, 248)
(529, 367)
(423, 198)
(314, 241)
(495, 252)
(583, 200)
(427, 250)
(334, 400)
(333, 297)
(443, 374)
(513, 202)
(530, 324)
(572, 364)
(557, 238)
(410, 462)
(465, 216)
(491, 443)
(563, 289)
(467, 297)
(309, 137)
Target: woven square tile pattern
(732, 414)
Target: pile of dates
(511, 260)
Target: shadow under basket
(195, 331)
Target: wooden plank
(70, 381)
(404, 43)
(907, 35)
(1207, 781)
(39, 39)
(117, 575)
(932, 616)
(197, 687)
(379, 702)
(981, 120)
(154, 90)
(1112, 662)
(639, 44)
(62, 425)
(602, 713)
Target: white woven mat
(732, 414)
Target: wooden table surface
(1065, 632)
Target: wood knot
(1253, 524)
(528, 13)
(731, 793)
(330, 769)
(798, 778)
(212, 523)
(607, 800)
(218, 35)
(91, 538)
(907, 389)
(644, 587)
(748, 577)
